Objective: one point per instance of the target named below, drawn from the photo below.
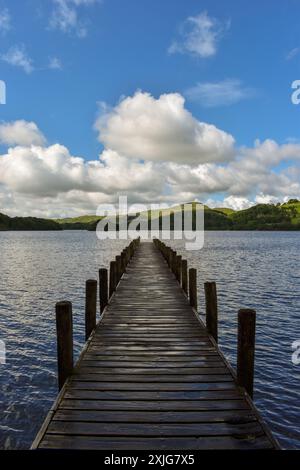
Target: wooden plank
(252, 429)
(158, 370)
(238, 416)
(146, 405)
(150, 357)
(160, 363)
(133, 443)
(84, 394)
(158, 386)
(107, 377)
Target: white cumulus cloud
(21, 133)
(162, 129)
(47, 180)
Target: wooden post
(90, 306)
(193, 287)
(184, 275)
(173, 266)
(64, 330)
(103, 288)
(178, 268)
(211, 309)
(119, 268)
(123, 261)
(112, 278)
(246, 349)
(169, 257)
(127, 255)
(160, 222)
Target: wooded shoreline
(262, 217)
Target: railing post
(211, 309)
(184, 275)
(246, 349)
(169, 257)
(123, 261)
(112, 278)
(173, 266)
(127, 255)
(193, 287)
(178, 268)
(64, 330)
(103, 288)
(90, 307)
(119, 268)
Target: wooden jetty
(151, 375)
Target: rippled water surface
(256, 270)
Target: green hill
(84, 222)
(27, 223)
(268, 217)
(261, 217)
(293, 207)
(224, 210)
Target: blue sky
(232, 61)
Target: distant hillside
(268, 217)
(262, 217)
(84, 222)
(284, 216)
(293, 207)
(214, 220)
(224, 210)
(27, 223)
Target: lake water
(253, 269)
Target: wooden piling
(90, 307)
(127, 255)
(184, 275)
(112, 278)
(246, 349)
(178, 268)
(168, 255)
(118, 269)
(64, 330)
(103, 288)
(131, 249)
(173, 265)
(123, 261)
(211, 309)
(193, 287)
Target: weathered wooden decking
(150, 377)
